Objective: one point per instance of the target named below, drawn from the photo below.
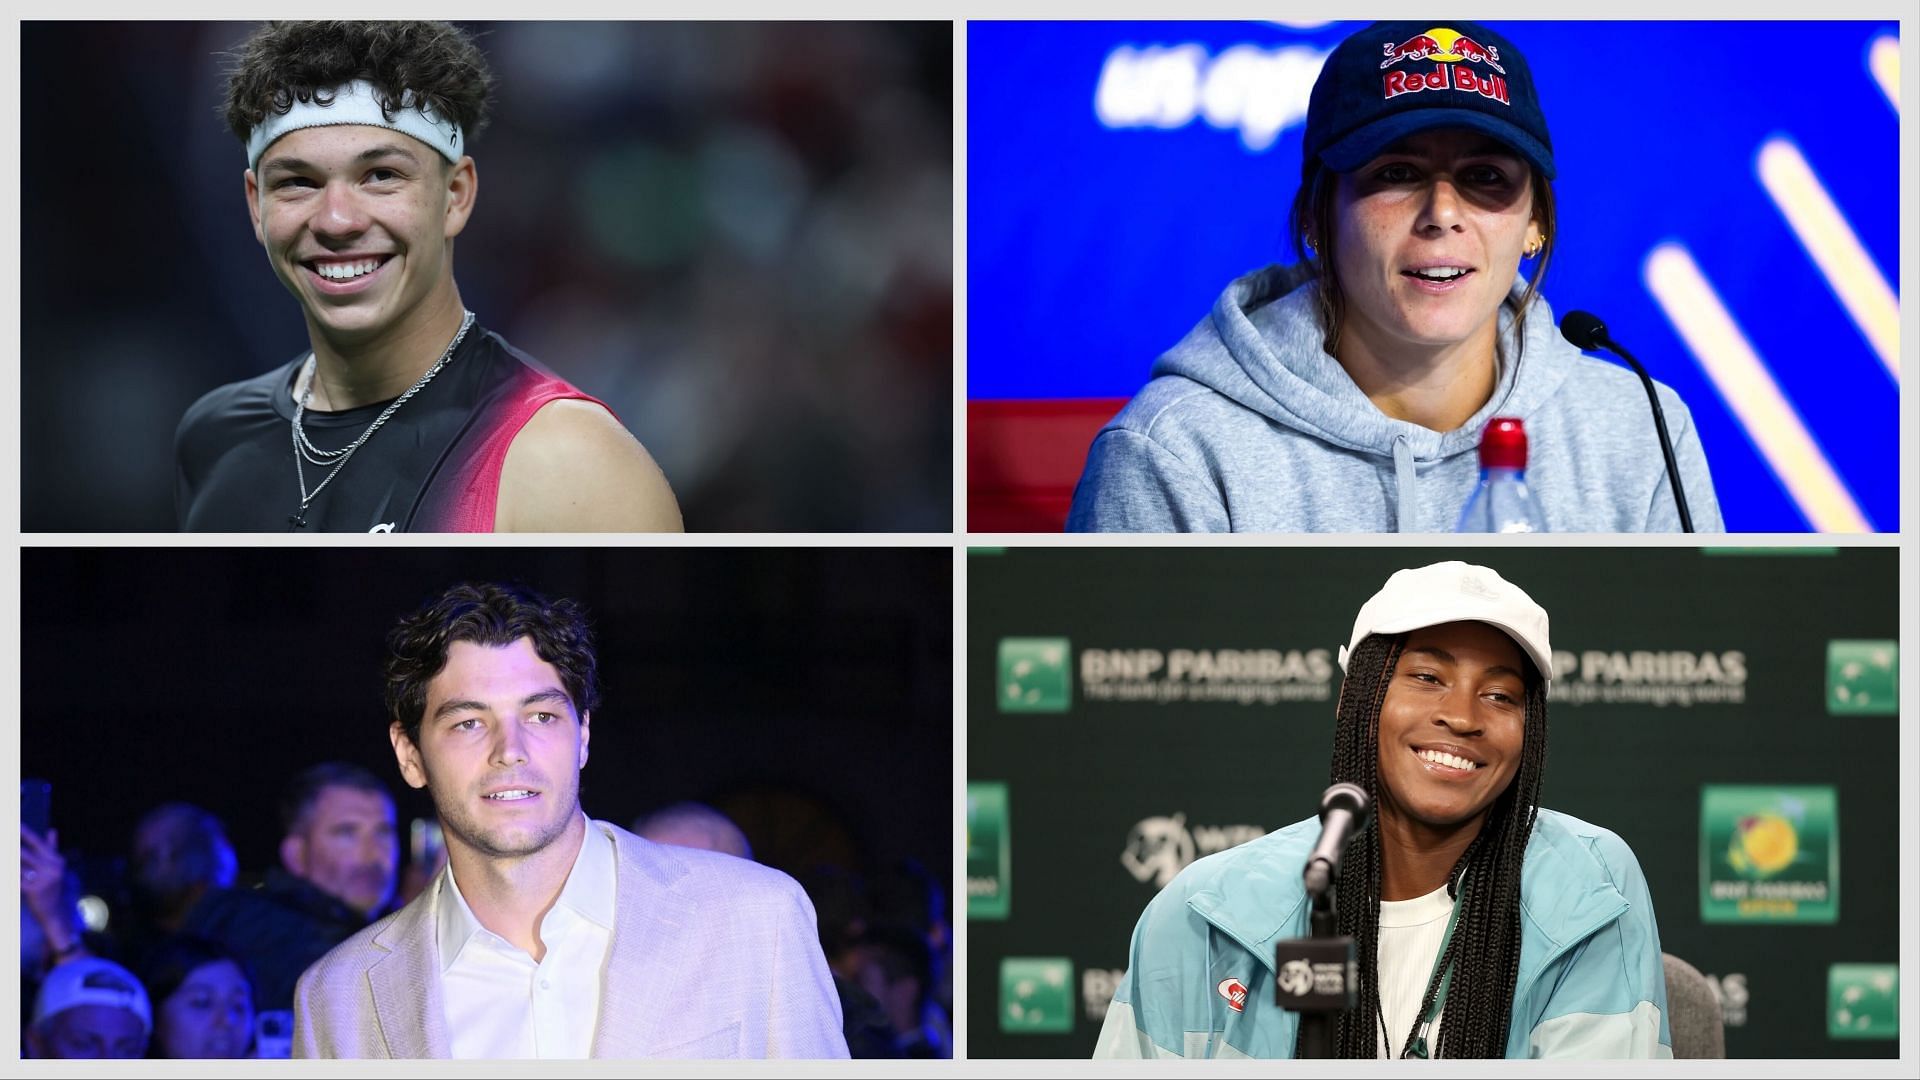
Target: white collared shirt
(499, 1003)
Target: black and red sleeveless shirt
(433, 467)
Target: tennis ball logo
(1763, 845)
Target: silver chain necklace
(335, 460)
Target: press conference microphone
(1343, 810)
(1587, 333)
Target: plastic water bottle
(1501, 503)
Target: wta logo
(1449, 47)
(1296, 977)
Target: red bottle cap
(1504, 444)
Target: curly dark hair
(1486, 947)
(491, 615)
(409, 63)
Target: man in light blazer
(551, 935)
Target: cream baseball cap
(90, 980)
(1454, 592)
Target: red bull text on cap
(1394, 79)
(1450, 47)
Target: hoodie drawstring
(1407, 515)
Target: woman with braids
(1485, 925)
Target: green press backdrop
(1731, 713)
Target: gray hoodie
(1249, 426)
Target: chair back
(1693, 1011)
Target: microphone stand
(1316, 976)
(1660, 425)
(1316, 1028)
(1585, 331)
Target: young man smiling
(404, 414)
(550, 935)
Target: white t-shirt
(1410, 936)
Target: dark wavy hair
(1313, 218)
(490, 615)
(408, 63)
(1486, 941)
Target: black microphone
(1587, 333)
(1343, 810)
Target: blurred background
(738, 235)
(803, 694)
(1728, 203)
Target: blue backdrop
(1119, 175)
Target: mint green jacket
(1590, 982)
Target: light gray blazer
(711, 957)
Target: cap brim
(1358, 147)
(1420, 622)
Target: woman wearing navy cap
(1347, 392)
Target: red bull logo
(1468, 49)
(1449, 47)
(1417, 47)
(1442, 43)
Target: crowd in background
(179, 954)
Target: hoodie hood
(1249, 426)
(1261, 346)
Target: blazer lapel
(650, 952)
(408, 1011)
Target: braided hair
(1486, 942)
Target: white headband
(358, 103)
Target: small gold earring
(1534, 247)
